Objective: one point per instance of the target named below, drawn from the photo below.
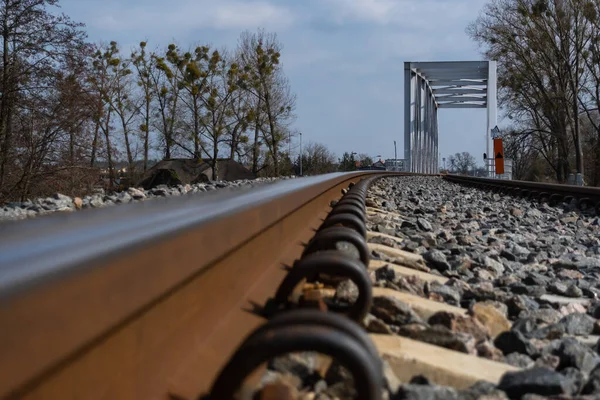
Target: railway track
(189, 297)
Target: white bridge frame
(429, 86)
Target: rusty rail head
(120, 302)
(47, 247)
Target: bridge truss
(429, 86)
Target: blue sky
(344, 58)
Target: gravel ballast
(100, 199)
(526, 273)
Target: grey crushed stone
(32, 208)
(537, 263)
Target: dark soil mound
(190, 171)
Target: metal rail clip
(325, 257)
(305, 330)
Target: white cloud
(188, 14)
(427, 15)
(379, 11)
(244, 15)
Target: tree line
(68, 107)
(548, 54)
(318, 159)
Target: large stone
(486, 349)
(271, 377)
(514, 341)
(425, 308)
(385, 273)
(457, 323)
(374, 325)
(347, 291)
(573, 291)
(78, 203)
(569, 274)
(558, 288)
(424, 224)
(298, 364)
(493, 265)
(578, 324)
(546, 315)
(393, 311)
(593, 383)
(437, 260)
(482, 390)
(520, 303)
(577, 377)
(443, 337)
(136, 193)
(515, 212)
(339, 390)
(572, 308)
(524, 325)
(537, 380)
(425, 392)
(548, 332)
(447, 293)
(574, 354)
(491, 318)
(519, 360)
(548, 361)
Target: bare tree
(365, 160)
(121, 99)
(316, 159)
(166, 79)
(104, 83)
(522, 147)
(541, 47)
(462, 163)
(143, 66)
(193, 81)
(240, 116)
(35, 42)
(219, 90)
(263, 79)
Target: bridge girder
(429, 86)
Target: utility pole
(300, 153)
(395, 158)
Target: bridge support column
(420, 123)
(492, 118)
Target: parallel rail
(584, 196)
(148, 300)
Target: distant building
(379, 164)
(397, 165)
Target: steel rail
(533, 189)
(148, 300)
